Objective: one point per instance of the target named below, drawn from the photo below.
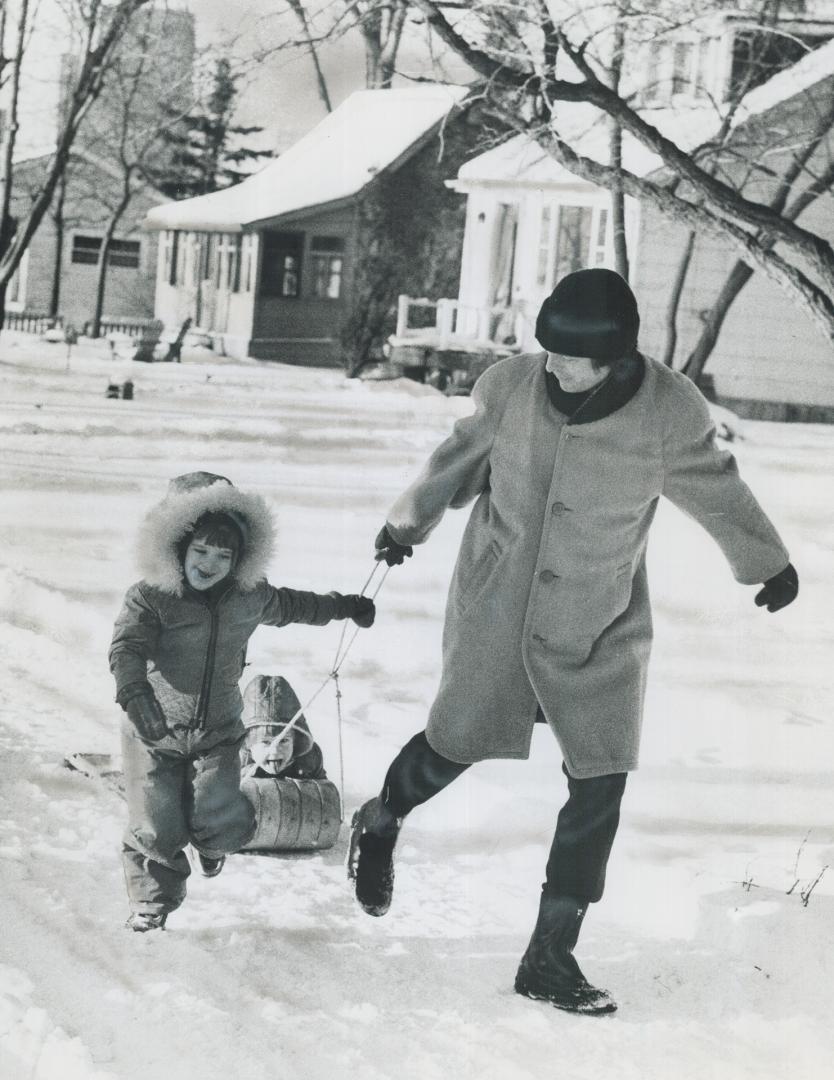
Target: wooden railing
(130, 327)
(34, 322)
(454, 324)
(31, 322)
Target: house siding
(771, 359)
(129, 293)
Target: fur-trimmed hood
(188, 498)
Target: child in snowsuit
(177, 655)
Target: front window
(326, 266)
(281, 264)
(124, 253)
(571, 238)
(85, 249)
(758, 54)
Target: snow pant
(585, 828)
(183, 789)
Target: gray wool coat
(549, 602)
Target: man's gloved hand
(362, 610)
(780, 590)
(387, 548)
(144, 711)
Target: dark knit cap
(590, 313)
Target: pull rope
(342, 650)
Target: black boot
(210, 867)
(548, 970)
(373, 836)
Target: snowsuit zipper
(208, 671)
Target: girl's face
(206, 565)
(576, 373)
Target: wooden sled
(296, 807)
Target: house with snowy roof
(312, 250)
(529, 221)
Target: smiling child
(177, 656)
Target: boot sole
(577, 1008)
(375, 910)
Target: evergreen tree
(206, 154)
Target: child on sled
(177, 655)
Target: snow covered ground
(270, 970)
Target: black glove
(361, 609)
(780, 590)
(144, 711)
(387, 548)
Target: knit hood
(187, 499)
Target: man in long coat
(548, 616)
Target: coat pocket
(475, 581)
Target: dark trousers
(585, 829)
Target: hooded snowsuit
(190, 647)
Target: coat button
(547, 576)
(539, 639)
(558, 508)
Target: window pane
(326, 272)
(573, 235)
(85, 249)
(281, 264)
(682, 67)
(124, 253)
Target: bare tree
(123, 144)
(300, 13)
(380, 23)
(523, 87)
(102, 27)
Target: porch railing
(455, 325)
(32, 322)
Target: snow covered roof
(521, 161)
(367, 133)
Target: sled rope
(342, 650)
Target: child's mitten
(144, 711)
(362, 610)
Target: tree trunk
(101, 282)
(8, 226)
(671, 342)
(301, 15)
(618, 204)
(735, 282)
(101, 278)
(615, 145)
(57, 266)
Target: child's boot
(142, 921)
(210, 867)
(548, 969)
(373, 836)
